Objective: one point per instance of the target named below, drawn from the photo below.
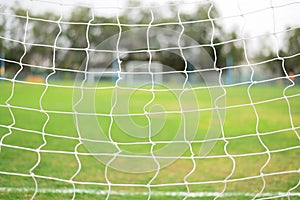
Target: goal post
(149, 99)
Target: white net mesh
(149, 100)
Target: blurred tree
(41, 33)
(292, 51)
(73, 38)
(2, 30)
(14, 34)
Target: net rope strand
(20, 63)
(147, 105)
(292, 84)
(113, 107)
(154, 25)
(183, 115)
(157, 142)
(25, 51)
(154, 185)
(78, 102)
(223, 95)
(268, 80)
(145, 156)
(141, 114)
(254, 108)
(45, 112)
(144, 50)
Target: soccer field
(45, 141)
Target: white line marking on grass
(124, 193)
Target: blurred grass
(239, 121)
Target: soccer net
(149, 100)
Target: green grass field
(57, 159)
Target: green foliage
(293, 50)
(198, 24)
(74, 33)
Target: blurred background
(230, 28)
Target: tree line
(42, 30)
